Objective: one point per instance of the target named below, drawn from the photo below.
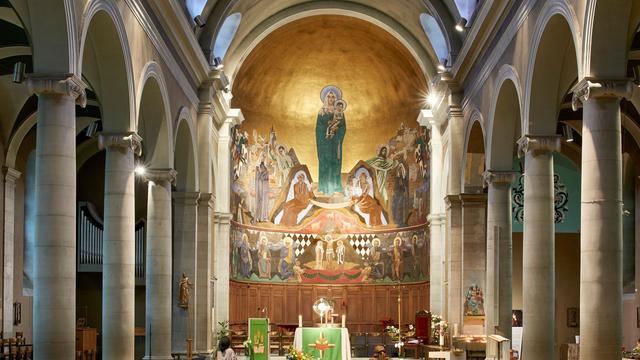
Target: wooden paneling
(363, 304)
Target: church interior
(319, 179)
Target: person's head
(379, 352)
(383, 152)
(340, 105)
(281, 150)
(331, 98)
(300, 177)
(224, 344)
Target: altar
(324, 343)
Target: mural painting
(366, 224)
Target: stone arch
(46, 18)
(547, 79)
(237, 55)
(154, 123)
(505, 120)
(605, 45)
(186, 152)
(474, 145)
(108, 65)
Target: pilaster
(11, 175)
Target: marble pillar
(118, 277)
(54, 298)
(498, 296)
(454, 260)
(436, 263)
(473, 255)
(185, 253)
(203, 336)
(11, 175)
(456, 145)
(221, 266)
(601, 217)
(538, 265)
(158, 265)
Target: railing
(90, 235)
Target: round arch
(154, 123)
(186, 152)
(547, 80)
(505, 120)
(102, 22)
(474, 131)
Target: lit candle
(344, 320)
(441, 339)
(299, 320)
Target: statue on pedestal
(183, 300)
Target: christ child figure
(338, 118)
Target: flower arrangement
(395, 335)
(223, 329)
(439, 328)
(248, 348)
(293, 354)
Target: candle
(455, 329)
(299, 320)
(344, 318)
(441, 339)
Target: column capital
(436, 218)
(207, 199)
(58, 84)
(454, 111)
(590, 87)
(468, 200)
(121, 141)
(222, 217)
(11, 174)
(538, 144)
(452, 200)
(205, 108)
(499, 178)
(186, 197)
(160, 176)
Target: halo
(330, 88)
(343, 102)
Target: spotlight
(567, 132)
(199, 21)
(140, 170)
(18, 72)
(432, 99)
(442, 67)
(461, 25)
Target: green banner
(259, 336)
(322, 343)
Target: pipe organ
(90, 230)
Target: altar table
(333, 342)
(447, 355)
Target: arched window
(226, 34)
(435, 35)
(466, 8)
(195, 7)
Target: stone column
(454, 260)
(158, 265)
(54, 298)
(456, 145)
(538, 265)
(221, 266)
(474, 245)
(118, 277)
(185, 253)
(436, 263)
(498, 297)
(11, 175)
(601, 217)
(203, 337)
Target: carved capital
(160, 176)
(11, 174)
(222, 217)
(207, 199)
(538, 144)
(499, 178)
(455, 112)
(205, 108)
(436, 218)
(589, 88)
(58, 84)
(186, 197)
(121, 141)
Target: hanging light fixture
(461, 24)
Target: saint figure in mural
(400, 194)
(285, 267)
(319, 255)
(382, 164)
(397, 258)
(330, 131)
(364, 201)
(283, 163)
(474, 301)
(262, 192)
(302, 195)
(340, 252)
(264, 258)
(329, 253)
(377, 265)
(246, 263)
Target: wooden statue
(184, 285)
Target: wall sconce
(461, 24)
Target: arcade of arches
(173, 168)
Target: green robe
(382, 166)
(329, 154)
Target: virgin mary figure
(330, 131)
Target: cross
(322, 344)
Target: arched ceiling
(405, 15)
(279, 85)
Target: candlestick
(344, 320)
(299, 320)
